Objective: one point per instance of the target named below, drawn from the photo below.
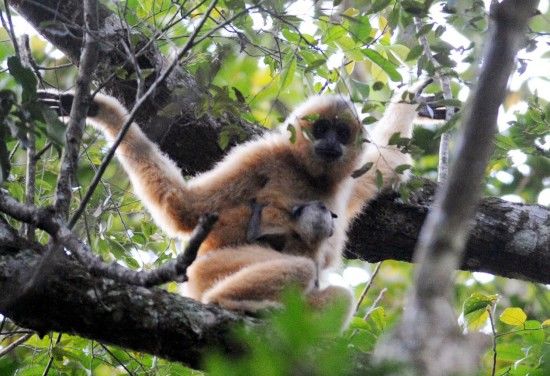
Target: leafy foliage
(259, 66)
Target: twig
(79, 110)
(493, 330)
(15, 343)
(61, 66)
(368, 286)
(50, 362)
(41, 152)
(9, 28)
(116, 358)
(30, 171)
(445, 84)
(130, 119)
(45, 219)
(375, 303)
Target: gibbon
(299, 231)
(275, 173)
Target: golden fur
(278, 174)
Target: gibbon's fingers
(259, 286)
(61, 103)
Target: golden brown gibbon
(275, 172)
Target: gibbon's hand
(61, 103)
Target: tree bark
(70, 300)
(507, 239)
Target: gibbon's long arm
(398, 118)
(175, 204)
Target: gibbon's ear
(61, 103)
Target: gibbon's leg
(398, 118)
(210, 268)
(258, 285)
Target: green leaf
(362, 170)
(361, 87)
(55, 128)
(378, 5)
(414, 53)
(334, 33)
(23, 76)
(513, 316)
(414, 7)
(288, 74)
(360, 28)
(315, 64)
(402, 168)
(448, 125)
(478, 301)
(239, 95)
(424, 29)
(510, 352)
(292, 131)
(534, 333)
(475, 310)
(378, 85)
(223, 140)
(369, 120)
(383, 63)
(379, 179)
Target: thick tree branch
(70, 300)
(156, 322)
(506, 239)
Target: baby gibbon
(298, 231)
(279, 174)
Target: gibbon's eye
(343, 133)
(320, 127)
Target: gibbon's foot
(61, 103)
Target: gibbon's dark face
(330, 138)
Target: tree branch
(506, 239)
(79, 110)
(49, 221)
(71, 300)
(428, 335)
(445, 84)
